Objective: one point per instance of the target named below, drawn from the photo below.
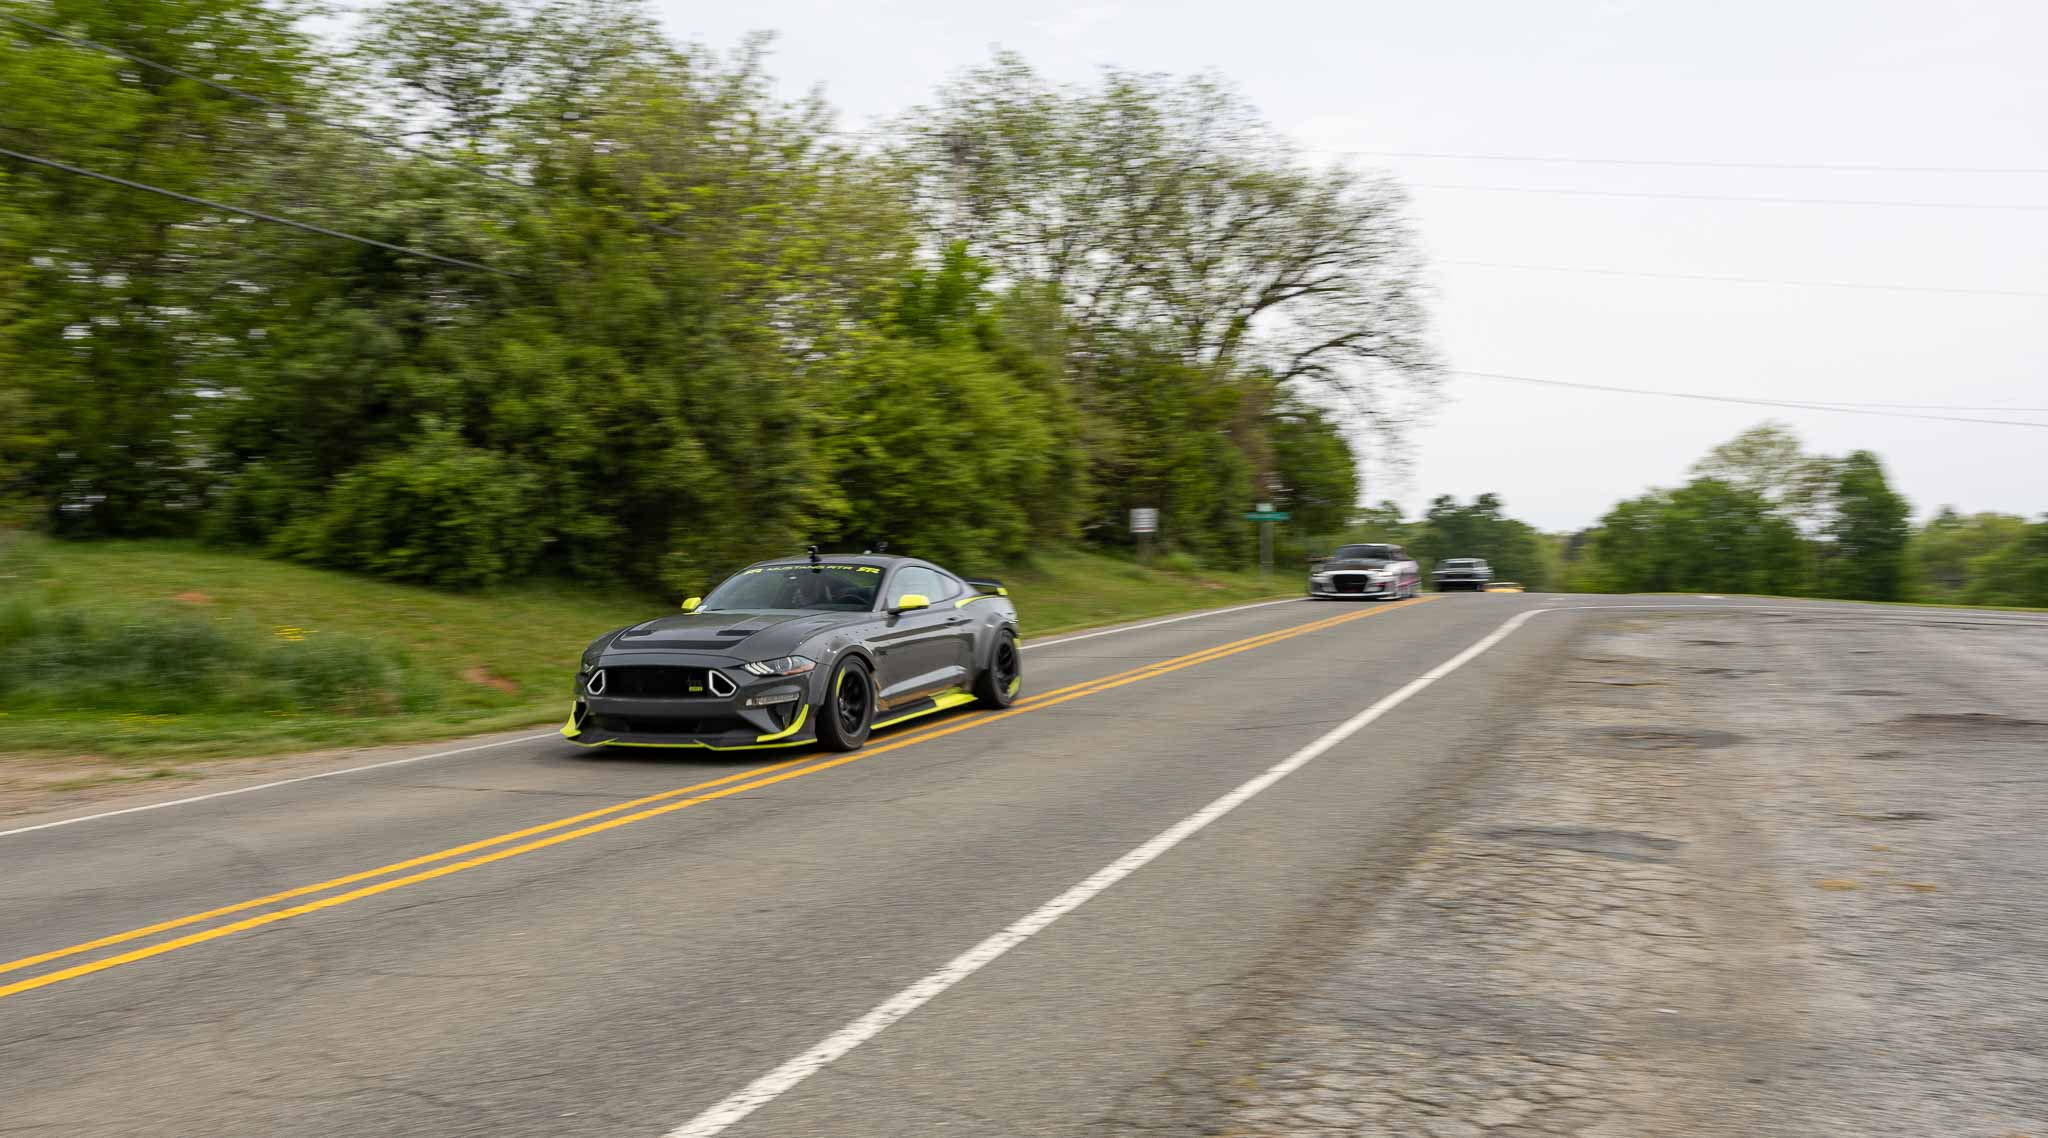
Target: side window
(1400, 554)
(915, 579)
(950, 588)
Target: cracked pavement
(1781, 901)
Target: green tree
(2016, 573)
(1705, 536)
(1940, 554)
(714, 330)
(1312, 459)
(1769, 460)
(1180, 237)
(1513, 549)
(112, 294)
(1870, 531)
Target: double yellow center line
(470, 855)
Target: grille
(1350, 584)
(656, 681)
(670, 725)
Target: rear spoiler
(985, 585)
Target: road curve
(529, 939)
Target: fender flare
(985, 643)
(856, 650)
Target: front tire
(999, 682)
(849, 709)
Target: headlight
(782, 666)
(1318, 576)
(587, 665)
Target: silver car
(1384, 571)
(1463, 573)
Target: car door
(960, 618)
(918, 651)
(1407, 571)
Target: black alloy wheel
(849, 707)
(999, 683)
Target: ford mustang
(801, 651)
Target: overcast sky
(1913, 83)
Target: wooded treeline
(1764, 515)
(713, 327)
(1761, 514)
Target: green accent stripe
(793, 728)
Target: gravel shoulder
(1734, 874)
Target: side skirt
(939, 702)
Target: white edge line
(542, 735)
(268, 785)
(1156, 623)
(781, 1080)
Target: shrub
(330, 673)
(438, 513)
(62, 658)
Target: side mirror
(690, 603)
(911, 602)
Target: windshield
(835, 588)
(1368, 552)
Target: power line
(2027, 207)
(301, 113)
(1800, 405)
(259, 100)
(1852, 168)
(2023, 206)
(1954, 407)
(1741, 280)
(250, 213)
(1837, 167)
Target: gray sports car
(800, 651)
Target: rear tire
(848, 714)
(1003, 676)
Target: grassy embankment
(147, 653)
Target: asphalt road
(452, 957)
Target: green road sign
(1266, 516)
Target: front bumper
(1448, 584)
(725, 713)
(1352, 585)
